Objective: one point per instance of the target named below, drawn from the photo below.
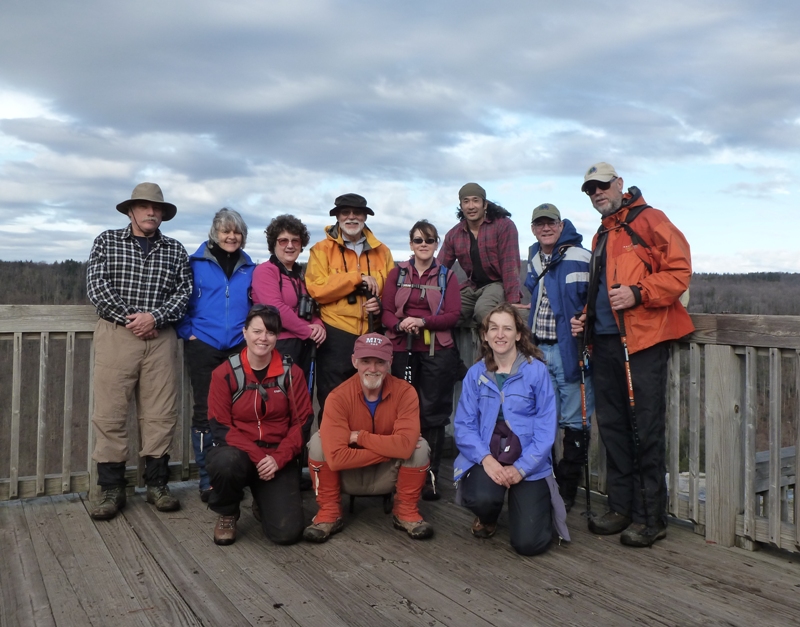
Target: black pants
(649, 376)
(202, 359)
(299, 350)
(530, 516)
(434, 378)
(334, 364)
(231, 470)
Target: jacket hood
(569, 236)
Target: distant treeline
(64, 283)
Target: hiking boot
(416, 529)
(640, 535)
(160, 496)
(204, 494)
(609, 523)
(113, 500)
(320, 532)
(256, 511)
(484, 531)
(225, 530)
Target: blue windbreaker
(567, 285)
(529, 406)
(218, 305)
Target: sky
(278, 107)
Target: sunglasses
(592, 187)
(267, 308)
(427, 240)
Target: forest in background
(778, 293)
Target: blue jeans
(568, 395)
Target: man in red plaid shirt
(486, 244)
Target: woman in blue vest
(421, 305)
(214, 319)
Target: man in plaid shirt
(486, 245)
(140, 282)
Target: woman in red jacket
(256, 408)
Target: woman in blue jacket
(214, 318)
(509, 388)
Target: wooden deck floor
(58, 567)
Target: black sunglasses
(427, 240)
(268, 308)
(592, 187)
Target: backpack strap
(442, 280)
(235, 361)
(239, 377)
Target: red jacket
(660, 316)
(250, 420)
(392, 434)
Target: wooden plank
(775, 396)
(694, 430)
(766, 331)
(764, 531)
(66, 436)
(705, 329)
(203, 580)
(16, 395)
(797, 449)
(52, 318)
(53, 484)
(23, 597)
(750, 416)
(41, 418)
(724, 462)
(674, 425)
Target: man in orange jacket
(640, 267)
(369, 443)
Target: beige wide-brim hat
(149, 192)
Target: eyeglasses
(592, 187)
(427, 240)
(283, 242)
(347, 212)
(540, 224)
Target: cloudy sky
(278, 107)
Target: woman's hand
(495, 470)
(513, 475)
(318, 333)
(267, 468)
(411, 325)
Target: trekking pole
(409, 342)
(637, 446)
(583, 365)
(312, 368)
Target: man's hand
(372, 305)
(370, 282)
(318, 333)
(149, 336)
(621, 297)
(140, 324)
(267, 468)
(521, 306)
(577, 324)
(354, 438)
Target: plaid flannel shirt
(121, 280)
(545, 324)
(498, 243)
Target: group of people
(377, 342)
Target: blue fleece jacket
(218, 305)
(567, 285)
(529, 407)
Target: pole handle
(620, 314)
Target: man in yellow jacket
(345, 275)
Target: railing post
(724, 458)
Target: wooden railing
(732, 426)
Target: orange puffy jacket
(660, 316)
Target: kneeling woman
(256, 409)
(505, 426)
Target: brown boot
(320, 532)
(410, 482)
(109, 506)
(225, 530)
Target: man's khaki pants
(124, 364)
(476, 304)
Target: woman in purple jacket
(281, 282)
(421, 305)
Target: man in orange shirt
(369, 443)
